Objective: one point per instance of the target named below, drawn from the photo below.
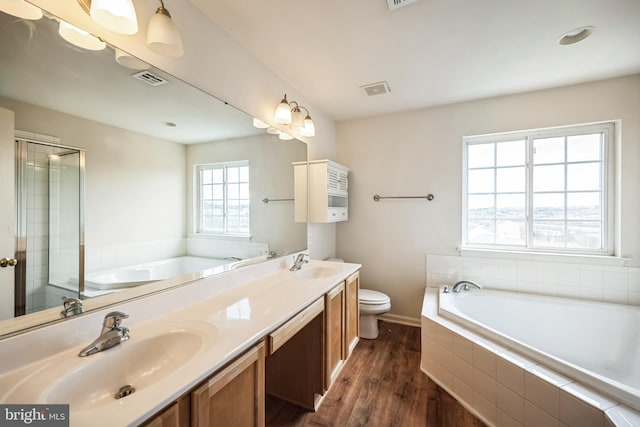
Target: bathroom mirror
(143, 133)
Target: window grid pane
(562, 187)
(224, 199)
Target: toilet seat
(371, 297)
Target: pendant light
(163, 35)
(21, 9)
(80, 38)
(118, 16)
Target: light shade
(309, 128)
(129, 61)
(80, 38)
(163, 36)
(297, 119)
(283, 112)
(285, 136)
(20, 9)
(260, 124)
(118, 16)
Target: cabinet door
(233, 397)
(176, 415)
(334, 309)
(352, 313)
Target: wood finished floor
(381, 385)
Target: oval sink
(135, 363)
(316, 272)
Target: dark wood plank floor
(381, 385)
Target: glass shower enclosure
(50, 225)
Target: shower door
(50, 236)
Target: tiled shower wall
(37, 228)
(582, 281)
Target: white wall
(134, 185)
(270, 175)
(420, 152)
(217, 64)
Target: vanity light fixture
(118, 16)
(80, 38)
(289, 113)
(163, 35)
(21, 9)
(285, 136)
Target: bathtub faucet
(112, 334)
(464, 285)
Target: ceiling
(431, 52)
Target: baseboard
(403, 320)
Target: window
(223, 198)
(543, 190)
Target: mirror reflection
(127, 175)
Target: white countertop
(233, 310)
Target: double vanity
(202, 354)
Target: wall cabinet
(321, 191)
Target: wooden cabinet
(335, 327)
(294, 365)
(321, 186)
(234, 396)
(176, 415)
(352, 313)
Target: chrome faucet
(71, 307)
(112, 334)
(297, 263)
(464, 285)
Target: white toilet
(372, 303)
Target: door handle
(8, 262)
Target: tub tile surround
(268, 290)
(620, 285)
(505, 388)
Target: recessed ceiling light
(576, 35)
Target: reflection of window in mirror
(223, 198)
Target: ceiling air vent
(396, 4)
(376, 88)
(149, 78)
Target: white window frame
(198, 201)
(608, 187)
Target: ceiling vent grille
(396, 4)
(378, 88)
(149, 78)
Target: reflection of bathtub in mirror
(105, 281)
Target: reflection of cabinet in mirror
(326, 187)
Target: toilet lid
(369, 296)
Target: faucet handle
(71, 306)
(113, 319)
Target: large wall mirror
(146, 175)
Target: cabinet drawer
(277, 338)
